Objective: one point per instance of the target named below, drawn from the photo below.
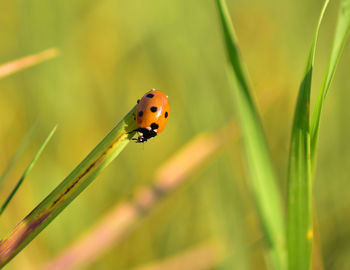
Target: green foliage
(304, 145)
(260, 168)
(341, 35)
(111, 52)
(299, 183)
(20, 149)
(70, 187)
(27, 171)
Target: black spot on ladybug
(140, 113)
(154, 109)
(150, 95)
(154, 126)
(138, 101)
(166, 115)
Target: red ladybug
(152, 114)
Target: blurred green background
(112, 52)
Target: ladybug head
(144, 134)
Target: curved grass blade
(27, 171)
(27, 61)
(21, 148)
(299, 185)
(266, 193)
(70, 187)
(341, 34)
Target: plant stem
(69, 188)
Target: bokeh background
(111, 53)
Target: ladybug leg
(141, 140)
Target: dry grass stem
(27, 61)
(205, 256)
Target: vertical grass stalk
(341, 35)
(300, 232)
(262, 175)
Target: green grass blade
(119, 222)
(21, 148)
(108, 149)
(299, 186)
(266, 192)
(341, 34)
(27, 171)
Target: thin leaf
(20, 149)
(27, 171)
(341, 35)
(120, 221)
(27, 61)
(299, 185)
(262, 175)
(70, 187)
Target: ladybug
(152, 114)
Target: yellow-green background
(112, 52)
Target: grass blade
(120, 221)
(263, 179)
(69, 188)
(27, 61)
(27, 171)
(204, 256)
(21, 148)
(173, 174)
(341, 34)
(299, 184)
